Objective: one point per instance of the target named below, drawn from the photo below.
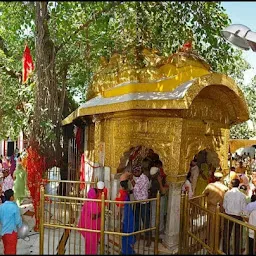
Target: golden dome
(123, 70)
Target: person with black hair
(252, 205)
(127, 219)
(234, 204)
(244, 189)
(156, 184)
(8, 180)
(122, 195)
(10, 219)
(140, 183)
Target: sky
(243, 12)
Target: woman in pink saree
(91, 219)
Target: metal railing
(60, 234)
(206, 232)
(56, 186)
(69, 187)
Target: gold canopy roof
(235, 144)
(155, 82)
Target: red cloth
(105, 191)
(28, 65)
(79, 132)
(10, 243)
(82, 174)
(188, 44)
(211, 179)
(162, 173)
(36, 165)
(122, 197)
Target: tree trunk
(45, 133)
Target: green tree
(67, 39)
(242, 131)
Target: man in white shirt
(251, 206)
(234, 204)
(252, 221)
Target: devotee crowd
(13, 190)
(235, 193)
(13, 176)
(141, 181)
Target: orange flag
(27, 64)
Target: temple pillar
(171, 236)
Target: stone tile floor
(75, 245)
(29, 245)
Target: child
(10, 219)
(127, 219)
(122, 195)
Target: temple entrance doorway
(146, 158)
(206, 162)
(139, 155)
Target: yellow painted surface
(166, 85)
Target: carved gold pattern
(196, 140)
(215, 86)
(175, 129)
(176, 135)
(145, 66)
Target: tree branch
(63, 91)
(85, 25)
(11, 73)
(8, 71)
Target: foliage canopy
(83, 31)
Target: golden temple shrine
(176, 106)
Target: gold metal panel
(235, 144)
(176, 129)
(226, 93)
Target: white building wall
(2, 147)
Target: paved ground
(29, 245)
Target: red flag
(187, 46)
(28, 65)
